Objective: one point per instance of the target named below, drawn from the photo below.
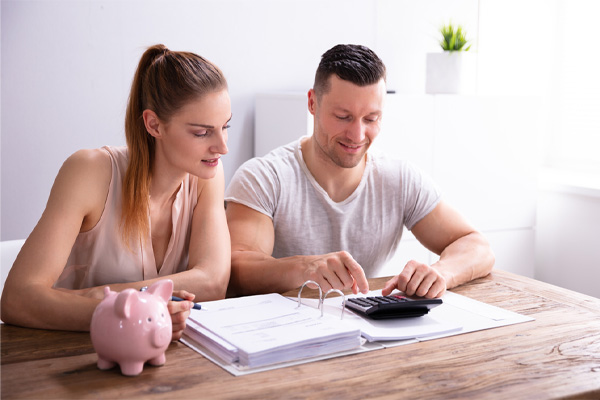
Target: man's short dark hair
(350, 62)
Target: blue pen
(197, 306)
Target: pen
(197, 306)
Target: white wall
(67, 67)
(568, 237)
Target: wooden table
(555, 356)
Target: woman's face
(195, 137)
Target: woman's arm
(209, 262)
(75, 204)
(210, 246)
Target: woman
(129, 216)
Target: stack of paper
(257, 333)
(266, 329)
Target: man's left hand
(417, 279)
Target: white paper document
(390, 329)
(257, 333)
(254, 331)
(474, 315)
(458, 314)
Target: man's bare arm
(254, 270)
(464, 252)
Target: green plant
(453, 38)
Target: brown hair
(350, 62)
(164, 82)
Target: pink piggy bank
(131, 327)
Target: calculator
(391, 306)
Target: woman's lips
(212, 162)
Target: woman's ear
(152, 123)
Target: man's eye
(342, 117)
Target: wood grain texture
(555, 356)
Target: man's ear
(152, 123)
(312, 101)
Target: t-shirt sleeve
(421, 195)
(256, 185)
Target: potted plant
(452, 71)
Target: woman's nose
(220, 146)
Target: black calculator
(391, 306)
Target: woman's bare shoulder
(84, 177)
(89, 158)
(86, 165)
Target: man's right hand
(254, 270)
(336, 271)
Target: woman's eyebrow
(200, 125)
(207, 126)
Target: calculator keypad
(391, 306)
(373, 301)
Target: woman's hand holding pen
(180, 310)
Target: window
(574, 129)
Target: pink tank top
(99, 257)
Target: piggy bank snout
(161, 336)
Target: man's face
(347, 120)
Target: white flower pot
(451, 72)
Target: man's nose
(356, 131)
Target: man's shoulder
(258, 182)
(384, 162)
(278, 160)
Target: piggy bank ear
(125, 301)
(108, 292)
(162, 288)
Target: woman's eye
(226, 127)
(200, 133)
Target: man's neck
(338, 182)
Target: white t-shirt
(368, 224)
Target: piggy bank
(131, 328)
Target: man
(324, 209)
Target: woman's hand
(180, 311)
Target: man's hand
(180, 311)
(417, 279)
(336, 271)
